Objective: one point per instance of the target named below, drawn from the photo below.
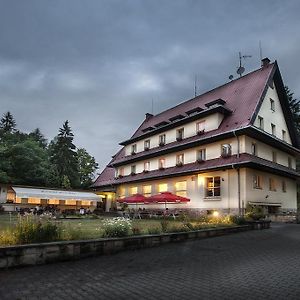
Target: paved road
(249, 265)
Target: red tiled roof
(204, 166)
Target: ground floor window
(257, 182)
(181, 188)
(133, 190)
(147, 190)
(213, 186)
(272, 184)
(162, 187)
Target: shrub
(254, 212)
(136, 230)
(117, 227)
(238, 220)
(31, 229)
(154, 230)
(70, 233)
(7, 237)
(181, 228)
(164, 225)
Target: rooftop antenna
(241, 69)
(195, 86)
(260, 51)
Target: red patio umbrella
(167, 197)
(134, 199)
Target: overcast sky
(99, 63)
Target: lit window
(34, 201)
(162, 187)
(272, 104)
(147, 166)
(273, 129)
(257, 182)
(180, 159)
(200, 127)
(283, 186)
(226, 150)
(133, 169)
(213, 187)
(53, 201)
(283, 135)
(133, 190)
(121, 171)
(261, 122)
(70, 202)
(179, 134)
(274, 156)
(147, 145)
(201, 155)
(290, 162)
(147, 190)
(253, 149)
(272, 184)
(133, 149)
(162, 139)
(121, 192)
(161, 163)
(181, 188)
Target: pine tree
(37, 136)
(8, 123)
(64, 156)
(294, 107)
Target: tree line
(28, 158)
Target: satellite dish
(240, 70)
(230, 77)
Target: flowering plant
(117, 227)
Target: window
(261, 122)
(200, 127)
(201, 155)
(133, 190)
(147, 166)
(274, 156)
(122, 192)
(226, 150)
(147, 145)
(133, 149)
(147, 189)
(181, 188)
(213, 187)
(272, 104)
(272, 184)
(179, 159)
(253, 149)
(162, 187)
(162, 139)
(290, 162)
(120, 172)
(133, 169)
(283, 186)
(283, 135)
(257, 182)
(273, 129)
(161, 163)
(179, 134)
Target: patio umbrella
(134, 199)
(167, 197)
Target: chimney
(265, 62)
(148, 116)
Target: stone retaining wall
(36, 254)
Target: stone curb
(37, 254)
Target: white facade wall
(212, 122)
(275, 117)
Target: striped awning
(265, 203)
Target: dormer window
(133, 149)
(161, 163)
(274, 156)
(179, 160)
(133, 169)
(120, 172)
(162, 140)
(226, 150)
(180, 134)
(253, 149)
(147, 145)
(272, 104)
(201, 155)
(147, 166)
(200, 127)
(290, 165)
(283, 135)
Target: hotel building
(229, 147)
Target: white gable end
(273, 114)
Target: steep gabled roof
(242, 96)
